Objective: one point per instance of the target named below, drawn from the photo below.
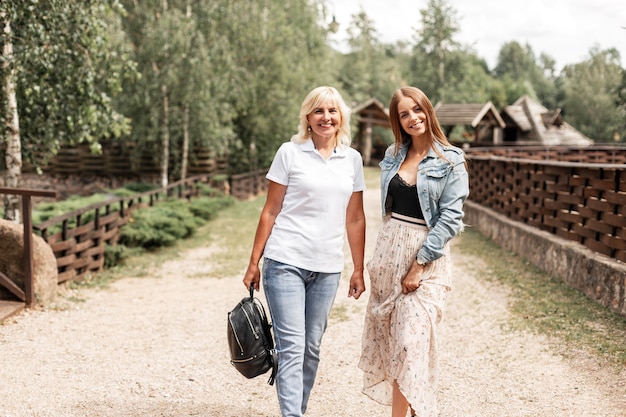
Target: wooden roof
(373, 112)
(539, 123)
(468, 114)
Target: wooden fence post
(26, 194)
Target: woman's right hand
(252, 277)
(413, 278)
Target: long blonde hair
(317, 98)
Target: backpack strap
(274, 355)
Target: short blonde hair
(317, 98)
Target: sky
(564, 29)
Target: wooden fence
(118, 159)
(28, 293)
(248, 184)
(581, 201)
(79, 246)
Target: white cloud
(564, 29)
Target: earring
(308, 128)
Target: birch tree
(60, 72)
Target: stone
(45, 273)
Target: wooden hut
(482, 122)
(528, 122)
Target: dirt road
(156, 346)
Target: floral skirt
(400, 331)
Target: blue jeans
(299, 302)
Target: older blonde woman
(315, 196)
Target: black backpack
(250, 339)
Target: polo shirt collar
(308, 146)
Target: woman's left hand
(357, 285)
(413, 278)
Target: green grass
(233, 232)
(547, 306)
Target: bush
(160, 225)
(117, 255)
(206, 208)
(139, 187)
(46, 211)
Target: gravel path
(157, 346)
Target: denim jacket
(442, 188)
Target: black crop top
(404, 198)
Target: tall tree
(522, 74)
(281, 54)
(64, 73)
(435, 45)
(13, 151)
(591, 93)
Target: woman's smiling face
(325, 120)
(412, 117)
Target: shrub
(160, 225)
(116, 255)
(139, 187)
(206, 208)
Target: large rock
(12, 263)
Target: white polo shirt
(309, 230)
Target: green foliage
(370, 69)
(591, 90)
(46, 211)
(521, 74)
(230, 75)
(49, 210)
(159, 225)
(206, 208)
(165, 223)
(139, 187)
(116, 255)
(436, 42)
(68, 69)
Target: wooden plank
(68, 275)
(12, 287)
(584, 231)
(614, 220)
(599, 226)
(613, 242)
(82, 246)
(9, 309)
(598, 247)
(80, 263)
(64, 245)
(615, 197)
(567, 234)
(65, 260)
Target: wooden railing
(596, 154)
(27, 295)
(581, 201)
(248, 184)
(80, 245)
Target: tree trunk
(13, 155)
(367, 145)
(185, 161)
(165, 136)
